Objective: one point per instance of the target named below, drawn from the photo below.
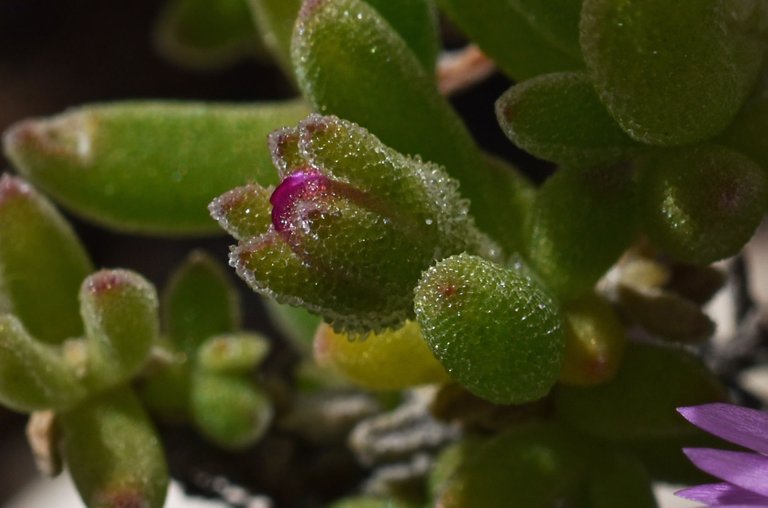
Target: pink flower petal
(723, 494)
(743, 469)
(739, 425)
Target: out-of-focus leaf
(149, 167)
(42, 264)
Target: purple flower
(745, 474)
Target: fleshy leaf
(496, 330)
(232, 353)
(350, 62)
(651, 383)
(520, 50)
(377, 362)
(148, 167)
(416, 22)
(558, 117)
(206, 34)
(113, 452)
(533, 465)
(557, 21)
(594, 342)
(120, 314)
(42, 263)
(671, 73)
(582, 220)
(230, 410)
(747, 132)
(199, 301)
(33, 375)
(701, 204)
(619, 479)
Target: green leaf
(230, 410)
(747, 132)
(581, 222)
(521, 41)
(619, 479)
(119, 310)
(200, 301)
(530, 466)
(701, 204)
(113, 452)
(275, 20)
(206, 34)
(558, 117)
(236, 353)
(148, 167)
(350, 62)
(42, 263)
(640, 401)
(33, 375)
(595, 340)
(496, 330)
(416, 22)
(557, 21)
(671, 73)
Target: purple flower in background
(745, 474)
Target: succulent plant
(365, 208)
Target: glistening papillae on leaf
(347, 201)
(496, 330)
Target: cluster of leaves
(428, 259)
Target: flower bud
(353, 225)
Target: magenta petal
(720, 494)
(743, 469)
(739, 425)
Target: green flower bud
(233, 353)
(558, 117)
(703, 203)
(377, 362)
(521, 41)
(229, 410)
(652, 381)
(148, 167)
(496, 330)
(581, 222)
(199, 301)
(113, 452)
(33, 375)
(671, 73)
(352, 227)
(119, 310)
(42, 263)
